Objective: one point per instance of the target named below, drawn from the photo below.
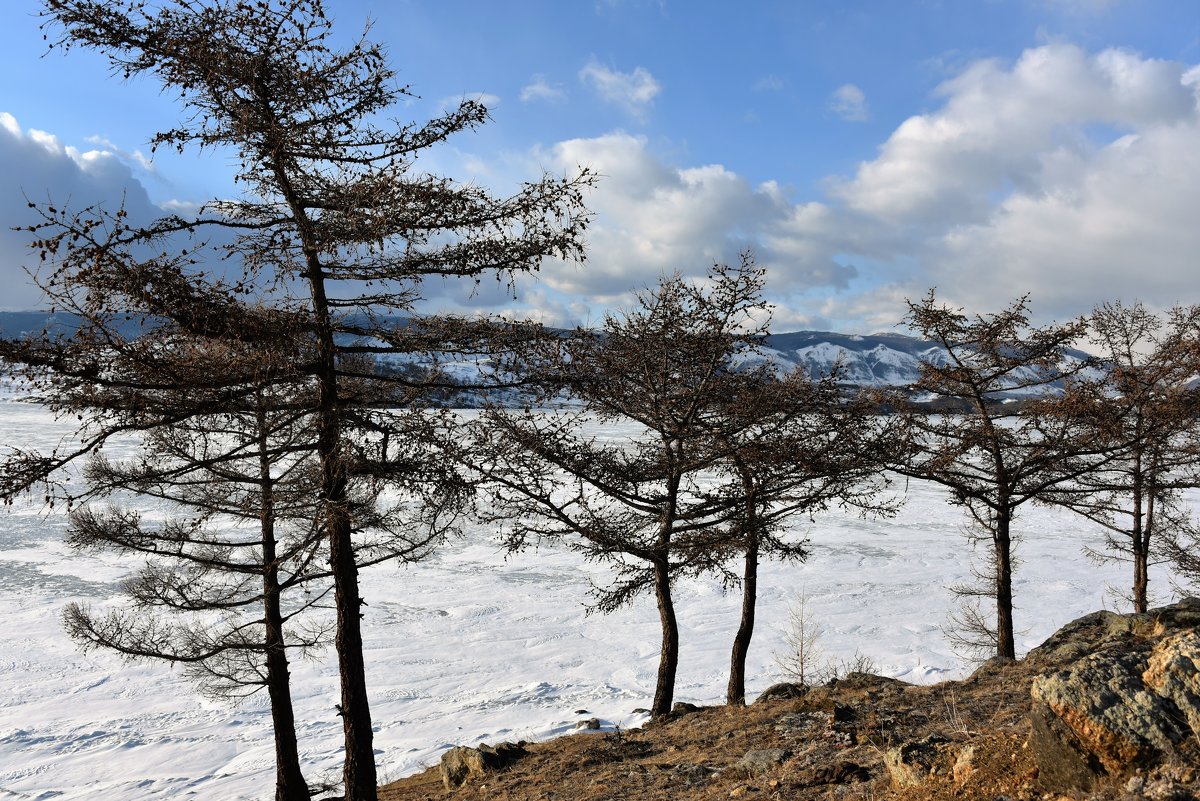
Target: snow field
(475, 645)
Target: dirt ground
(831, 743)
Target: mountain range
(872, 360)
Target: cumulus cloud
(999, 125)
(1069, 175)
(539, 89)
(654, 218)
(849, 103)
(632, 91)
(38, 167)
(137, 157)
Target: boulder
(1173, 673)
(781, 691)
(910, 764)
(462, 762)
(964, 766)
(758, 762)
(1126, 705)
(835, 773)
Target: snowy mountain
(873, 360)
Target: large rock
(1173, 673)
(1126, 705)
(782, 690)
(910, 764)
(761, 761)
(462, 762)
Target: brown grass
(836, 736)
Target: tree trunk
(358, 771)
(1141, 582)
(289, 779)
(359, 768)
(1143, 515)
(1005, 641)
(664, 690)
(735, 694)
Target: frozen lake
(472, 645)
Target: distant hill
(24, 323)
(871, 360)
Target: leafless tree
(213, 596)
(792, 446)
(645, 506)
(995, 452)
(1143, 407)
(329, 240)
(226, 440)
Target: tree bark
(1140, 537)
(359, 768)
(668, 663)
(1141, 582)
(735, 694)
(289, 779)
(1005, 641)
(358, 772)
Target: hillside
(875, 360)
(1108, 708)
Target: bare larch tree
(646, 506)
(791, 446)
(993, 451)
(1142, 406)
(332, 233)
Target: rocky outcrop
(782, 690)
(760, 761)
(463, 762)
(1107, 708)
(910, 764)
(1127, 699)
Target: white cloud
(136, 157)
(849, 103)
(997, 126)
(632, 91)
(654, 218)
(38, 167)
(538, 89)
(1069, 175)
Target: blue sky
(865, 150)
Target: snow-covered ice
(472, 645)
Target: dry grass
(836, 737)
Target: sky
(865, 151)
